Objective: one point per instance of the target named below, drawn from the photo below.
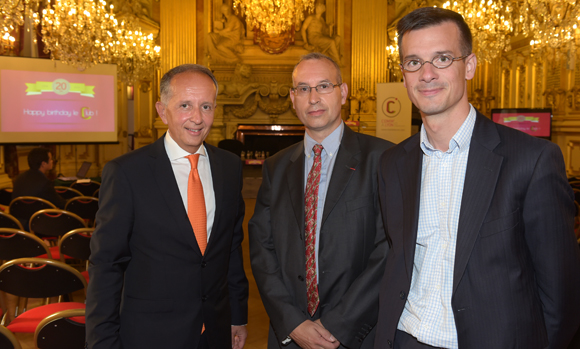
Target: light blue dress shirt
(428, 315)
(328, 158)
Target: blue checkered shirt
(428, 315)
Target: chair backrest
(62, 330)
(87, 188)
(5, 196)
(54, 222)
(8, 340)
(23, 207)
(9, 221)
(16, 243)
(96, 193)
(85, 207)
(76, 244)
(39, 278)
(67, 192)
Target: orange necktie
(196, 204)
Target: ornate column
(178, 39)
(368, 57)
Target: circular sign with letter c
(391, 107)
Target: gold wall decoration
(274, 44)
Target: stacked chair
(86, 188)
(85, 207)
(7, 339)
(23, 207)
(39, 278)
(62, 330)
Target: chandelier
(83, 33)
(553, 25)
(12, 13)
(134, 53)
(273, 16)
(491, 23)
(79, 33)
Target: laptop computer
(81, 174)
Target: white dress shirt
(428, 315)
(181, 169)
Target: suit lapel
(295, 180)
(483, 167)
(409, 169)
(344, 167)
(165, 178)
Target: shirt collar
(460, 140)
(174, 151)
(330, 143)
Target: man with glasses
(317, 243)
(479, 216)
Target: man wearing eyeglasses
(479, 216)
(317, 243)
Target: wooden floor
(257, 317)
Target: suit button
(203, 264)
(402, 295)
(390, 343)
(203, 298)
(300, 277)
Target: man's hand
(239, 335)
(312, 335)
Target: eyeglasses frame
(453, 59)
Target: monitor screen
(535, 122)
(45, 101)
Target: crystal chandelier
(12, 13)
(79, 33)
(273, 16)
(491, 23)
(83, 33)
(554, 25)
(134, 53)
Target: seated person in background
(34, 181)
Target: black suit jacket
(352, 248)
(150, 286)
(516, 279)
(35, 183)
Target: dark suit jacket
(352, 242)
(35, 183)
(150, 286)
(516, 279)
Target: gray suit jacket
(352, 248)
(516, 279)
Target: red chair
(39, 278)
(87, 188)
(67, 192)
(54, 223)
(16, 243)
(9, 221)
(77, 244)
(23, 207)
(61, 330)
(7, 339)
(85, 207)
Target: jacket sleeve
(110, 256)
(548, 213)
(237, 281)
(266, 268)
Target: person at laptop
(34, 182)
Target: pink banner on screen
(535, 124)
(57, 102)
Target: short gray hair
(165, 84)
(318, 57)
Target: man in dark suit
(153, 281)
(479, 216)
(34, 182)
(318, 279)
